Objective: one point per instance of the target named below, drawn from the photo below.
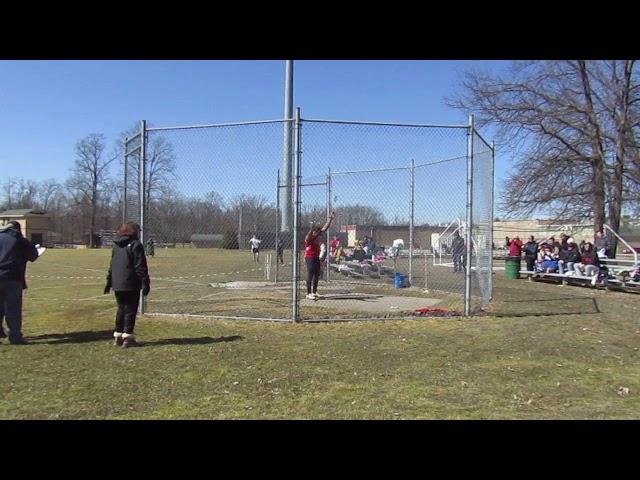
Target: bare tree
(357, 214)
(89, 175)
(571, 126)
(20, 193)
(9, 189)
(160, 169)
(47, 191)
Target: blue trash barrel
(399, 280)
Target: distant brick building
(386, 234)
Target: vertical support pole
(328, 267)
(277, 227)
(142, 174)
(411, 226)
(426, 262)
(469, 222)
(493, 158)
(288, 143)
(126, 180)
(240, 245)
(295, 297)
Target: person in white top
(398, 244)
(255, 248)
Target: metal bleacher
(616, 267)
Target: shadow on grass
(191, 341)
(547, 307)
(103, 335)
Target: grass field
(545, 352)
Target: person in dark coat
(569, 257)
(15, 252)
(530, 253)
(458, 251)
(128, 275)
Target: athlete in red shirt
(312, 243)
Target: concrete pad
(371, 303)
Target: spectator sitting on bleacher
(635, 274)
(589, 263)
(358, 252)
(547, 260)
(365, 245)
(602, 244)
(568, 257)
(564, 240)
(554, 244)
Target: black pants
(531, 262)
(313, 274)
(127, 310)
(459, 263)
(280, 257)
(11, 301)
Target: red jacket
(515, 248)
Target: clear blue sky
(46, 106)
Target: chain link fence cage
(412, 233)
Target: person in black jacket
(569, 257)
(15, 252)
(530, 250)
(128, 274)
(458, 251)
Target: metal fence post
(277, 227)
(493, 156)
(126, 179)
(329, 229)
(469, 222)
(296, 219)
(143, 200)
(240, 243)
(413, 179)
(288, 143)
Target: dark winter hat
(11, 225)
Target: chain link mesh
(370, 171)
(209, 191)
(482, 223)
(399, 192)
(132, 181)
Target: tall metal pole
(296, 221)
(468, 235)
(288, 144)
(142, 174)
(126, 181)
(277, 227)
(493, 157)
(329, 229)
(413, 197)
(240, 243)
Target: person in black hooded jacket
(15, 252)
(128, 274)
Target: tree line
(573, 129)
(90, 199)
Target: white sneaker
(315, 296)
(310, 296)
